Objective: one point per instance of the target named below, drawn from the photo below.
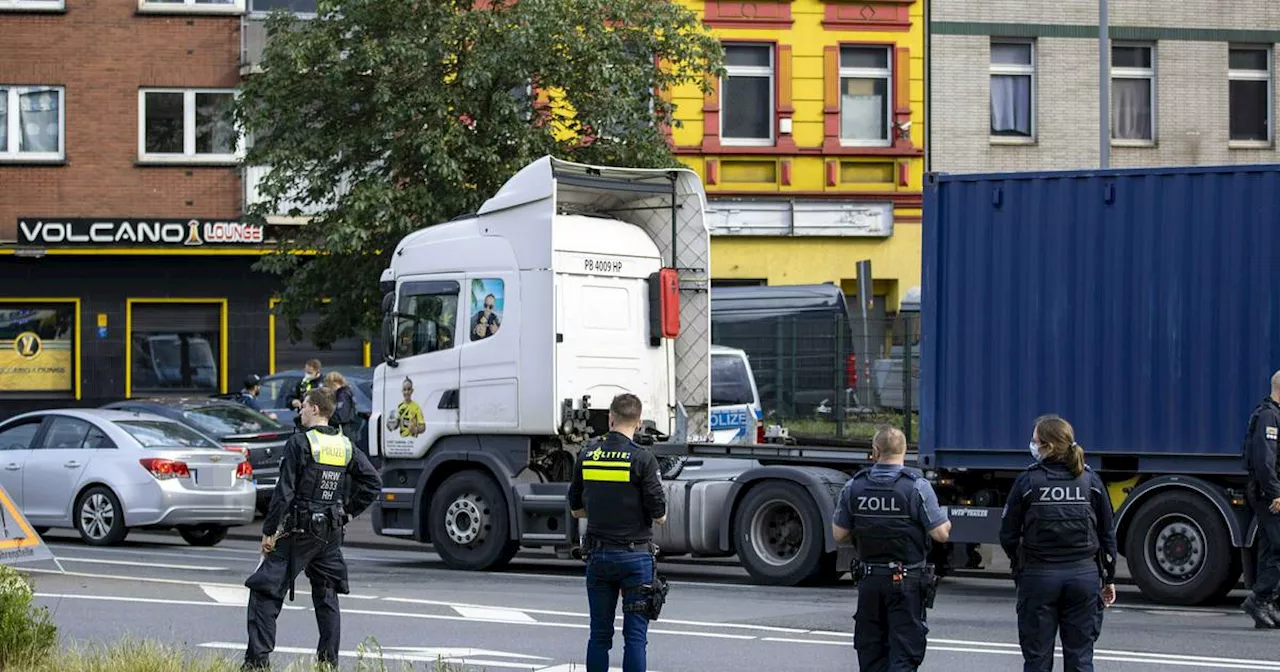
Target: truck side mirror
(388, 302)
(389, 337)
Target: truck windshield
(730, 382)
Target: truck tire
(468, 523)
(1179, 550)
(779, 535)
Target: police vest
(324, 478)
(884, 522)
(1060, 524)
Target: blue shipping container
(1141, 305)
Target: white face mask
(1035, 450)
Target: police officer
(1264, 498)
(891, 513)
(1058, 534)
(303, 529)
(310, 381)
(249, 395)
(617, 488)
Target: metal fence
(826, 376)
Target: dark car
(278, 387)
(238, 427)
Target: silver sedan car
(104, 472)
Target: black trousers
(321, 559)
(890, 632)
(1057, 602)
(1266, 582)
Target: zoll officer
(891, 513)
(1264, 498)
(303, 529)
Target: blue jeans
(610, 573)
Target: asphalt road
(532, 616)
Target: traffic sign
(18, 542)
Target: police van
(736, 415)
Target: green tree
(385, 116)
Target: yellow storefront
(811, 146)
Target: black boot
(1263, 614)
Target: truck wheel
(1179, 550)
(468, 523)
(779, 534)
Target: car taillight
(244, 470)
(164, 469)
(243, 450)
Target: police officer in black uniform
(891, 513)
(1057, 531)
(1264, 498)
(617, 488)
(303, 529)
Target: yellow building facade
(811, 145)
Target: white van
(736, 415)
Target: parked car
(238, 427)
(278, 388)
(103, 472)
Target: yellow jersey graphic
(410, 415)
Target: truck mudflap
(974, 524)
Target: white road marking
(373, 654)
(238, 596)
(132, 563)
(458, 652)
(494, 614)
(171, 582)
(573, 667)
(146, 600)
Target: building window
(187, 125)
(31, 5)
(175, 346)
(746, 95)
(865, 106)
(291, 6)
(192, 6)
(1249, 72)
(1133, 93)
(31, 123)
(37, 347)
(1013, 73)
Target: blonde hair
(335, 380)
(1058, 442)
(890, 441)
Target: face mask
(1035, 451)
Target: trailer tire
(468, 523)
(1179, 550)
(778, 534)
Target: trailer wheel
(468, 523)
(1179, 550)
(779, 535)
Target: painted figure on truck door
(409, 413)
(486, 308)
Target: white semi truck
(507, 334)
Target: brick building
(124, 267)
(1014, 84)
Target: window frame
(1253, 76)
(1150, 74)
(415, 288)
(13, 127)
(752, 71)
(33, 5)
(885, 73)
(189, 154)
(263, 13)
(1015, 70)
(236, 7)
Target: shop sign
(60, 232)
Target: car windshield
(730, 383)
(227, 419)
(160, 434)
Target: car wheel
(204, 535)
(100, 518)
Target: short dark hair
(322, 399)
(314, 363)
(626, 407)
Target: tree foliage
(381, 117)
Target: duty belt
(632, 546)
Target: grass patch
(27, 632)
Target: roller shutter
(175, 347)
(291, 356)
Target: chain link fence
(832, 375)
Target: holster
(655, 592)
(931, 581)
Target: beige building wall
(1191, 81)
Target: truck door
(422, 390)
